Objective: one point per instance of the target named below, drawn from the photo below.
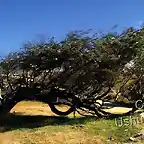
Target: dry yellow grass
(32, 108)
(118, 110)
(42, 137)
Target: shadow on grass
(14, 121)
(17, 121)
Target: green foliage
(83, 64)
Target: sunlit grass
(34, 123)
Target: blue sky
(24, 20)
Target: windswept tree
(84, 65)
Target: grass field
(34, 123)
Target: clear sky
(23, 20)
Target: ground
(34, 123)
